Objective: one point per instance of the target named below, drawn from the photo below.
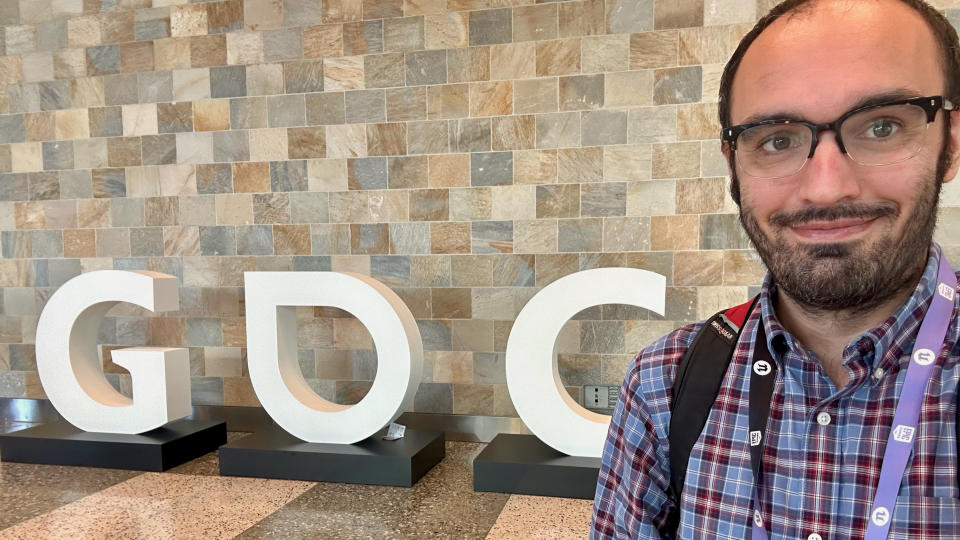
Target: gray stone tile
(228, 81)
(491, 169)
(120, 89)
(599, 128)
(558, 130)
(304, 76)
(23, 357)
(403, 34)
(652, 125)
(491, 236)
(428, 137)
(214, 178)
(14, 187)
(393, 270)
(302, 13)
(581, 92)
(383, 70)
(677, 85)
(16, 244)
(9, 14)
(103, 59)
(364, 364)
(607, 199)
(410, 238)
(75, 184)
(288, 175)
(436, 335)
(489, 368)
(38, 272)
(473, 135)
(155, 86)
(174, 117)
(150, 30)
(146, 242)
(47, 244)
(248, 113)
(577, 235)
(23, 97)
(57, 155)
(206, 390)
(52, 35)
(309, 207)
(626, 16)
(132, 331)
(434, 398)
(12, 128)
(282, 44)
(426, 67)
(255, 240)
(491, 26)
(286, 110)
(54, 95)
(126, 212)
(722, 231)
(365, 106)
(14, 384)
(325, 108)
(218, 240)
(43, 186)
(109, 183)
(367, 173)
(63, 270)
(230, 146)
(160, 149)
(311, 263)
(351, 392)
(308, 363)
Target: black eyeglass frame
(930, 105)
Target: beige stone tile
(93, 213)
(626, 234)
(449, 237)
(171, 53)
(423, 7)
(26, 157)
(206, 51)
(38, 67)
(445, 30)
(29, 215)
(697, 121)
(79, 243)
(627, 163)
(713, 299)
(251, 177)
(359, 264)
(605, 53)
(234, 209)
(448, 170)
(471, 204)
(291, 239)
(67, 64)
(181, 241)
(651, 198)
(513, 132)
(468, 64)
(346, 141)
(113, 242)
(491, 98)
(535, 167)
(177, 180)
(327, 174)
(559, 57)
(452, 366)
(264, 79)
(701, 195)
(628, 89)
(448, 101)
(211, 115)
(389, 139)
(513, 61)
(535, 236)
(649, 50)
(742, 267)
(143, 181)
(139, 119)
(372, 206)
(513, 202)
(92, 154)
(87, 92)
(344, 73)
(268, 144)
(72, 124)
(83, 31)
(191, 84)
(585, 18)
(536, 22)
(674, 232)
(722, 12)
(539, 95)
(580, 164)
(472, 335)
(676, 160)
(188, 20)
(711, 82)
(306, 142)
(11, 70)
(697, 268)
(244, 48)
(342, 11)
(322, 41)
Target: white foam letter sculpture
(272, 353)
(70, 369)
(532, 375)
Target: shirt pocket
(925, 517)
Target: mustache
(834, 213)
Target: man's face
(839, 235)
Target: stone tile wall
(464, 152)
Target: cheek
(764, 198)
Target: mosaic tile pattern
(466, 153)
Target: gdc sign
(73, 379)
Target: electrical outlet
(600, 397)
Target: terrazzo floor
(194, 501)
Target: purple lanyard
(930, 339)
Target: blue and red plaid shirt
(817, 479)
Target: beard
(854, 276)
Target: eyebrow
(866, 101)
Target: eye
(882, 128)
(778, 143)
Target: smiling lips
(831, 231)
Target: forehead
(817, 63)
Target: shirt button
(814, 536)
(877, 374)
(823, 419)
(757, 519)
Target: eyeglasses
(874, 135)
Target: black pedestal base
(60, 443)
(277, 454)
(525, 465)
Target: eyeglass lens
(877, 136)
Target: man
(837, 172)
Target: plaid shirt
(817, 479)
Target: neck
(828, 332)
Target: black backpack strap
(695, 387)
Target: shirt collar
(894, 335)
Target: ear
(954, 147)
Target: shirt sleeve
(631, 499)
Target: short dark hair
(943, 32)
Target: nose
(828, 176)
